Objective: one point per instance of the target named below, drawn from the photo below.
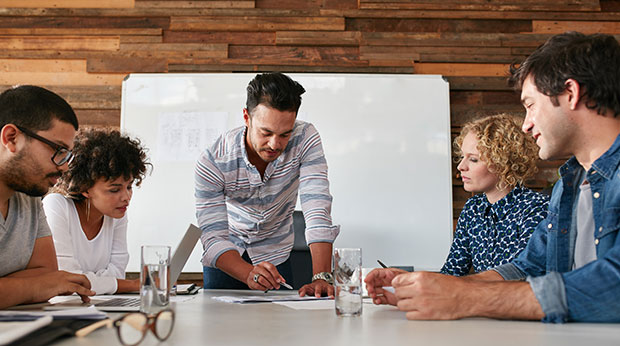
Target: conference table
(201, 320)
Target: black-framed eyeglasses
(132, 327)
(61, 156)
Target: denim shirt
(590, 293)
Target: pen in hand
(381, 264)
(285, 286)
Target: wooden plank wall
(82, 49)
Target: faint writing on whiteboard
(182, 136)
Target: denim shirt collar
(606, 164)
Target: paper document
(309, 305)
(266, 298)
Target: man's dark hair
(34, 108)
(592, 60)
(275, 90)
(102, 153)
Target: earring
(87, 209)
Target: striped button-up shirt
(238, 210)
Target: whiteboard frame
(420, 200)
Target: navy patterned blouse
(488, 235)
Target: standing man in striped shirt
(246, 190)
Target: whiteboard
(386, 140)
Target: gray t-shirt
(24, 224)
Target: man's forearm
(14, 291)
(232, 264)
(489, 275)
(321, 257)
(31, 272)
(503, 300)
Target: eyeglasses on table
(131, 328)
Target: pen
(285, 285)
(381, 264)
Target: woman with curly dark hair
(87, 210)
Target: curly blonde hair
(508, 152)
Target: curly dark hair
(102, 153)
(592, 60)
(276, 90)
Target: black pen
(381, 264)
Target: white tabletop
(205, 321)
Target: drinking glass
(348, 281)
(155, 279)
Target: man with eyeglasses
(36, 136)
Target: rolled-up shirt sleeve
(211, 212)
(316, 201)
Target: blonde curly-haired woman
(496, 157)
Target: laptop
(179, 258)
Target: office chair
(301, 260)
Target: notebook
(179, 258)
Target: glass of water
(154, 279)
(348, 281)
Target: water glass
(348, 281)
(155, 279)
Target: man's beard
(15, 175)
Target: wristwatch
(327, 276)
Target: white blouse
(102, 259)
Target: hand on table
(317, 288)
(379, 278)
(60, 283)
(430, 296)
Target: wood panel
(81, 31)
(344, 56)
(52, 72)
(60, 43)
(126, 65)
(246, 38)
(68, 3)
(69, 22)
(307, 4)
(195, 4)
(437, 25)
(322, 38)
(466, 14)
(462, 69)
(250, 23)
(558, 27)
(496, 5)
(453, 39)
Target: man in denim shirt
(570, 88)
